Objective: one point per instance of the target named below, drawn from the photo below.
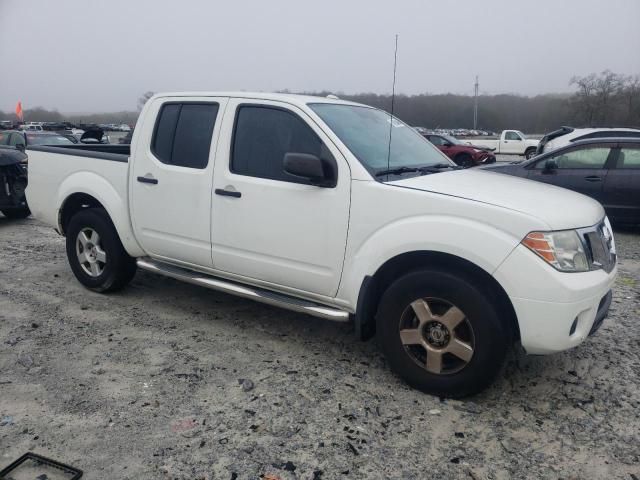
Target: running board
(245, 291)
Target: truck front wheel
(530, 153)
(95, 253)
(441, 333)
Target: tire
(107, 267)
(530, 153)
(17, 213)
(480, 337)
(464, 160)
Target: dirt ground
(168, 380)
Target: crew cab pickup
(337, 210)
(510, 142)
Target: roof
(292, 98)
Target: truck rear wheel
(441, 333)
(95, 253)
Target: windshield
(365, 132)
(48, 140)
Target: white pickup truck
(510, 142)
(302, 202)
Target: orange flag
(19, 112)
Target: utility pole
(475, 106)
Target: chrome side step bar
(246, 291)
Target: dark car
(462, 153)
(20, 139)
(13, 182)
(606, 169)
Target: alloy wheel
(437, 335)
(91, 255)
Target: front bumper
(555, 310)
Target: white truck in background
(305, 203)
(510, 142)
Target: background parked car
(13, 182)
(460, 152)
(565, 135)
(607, 169)
(22, 139)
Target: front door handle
(228, 193)
(148, 178)
(593, 178)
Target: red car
(462, 153)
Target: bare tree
(584, 101)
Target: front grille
(600, 247)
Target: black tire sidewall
(16, 213)
(98, 220)
(464, 160)
(491, 337)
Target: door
(171, 178)
(512, 143)
(579, 169)
(268, 225)
(621, 196)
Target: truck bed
(56, 172)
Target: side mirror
(21, 146)
(447, 144)
(304, 165)
(550, 165)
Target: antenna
(393, 98)
(475, 105)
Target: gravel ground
(168, 380)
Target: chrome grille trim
(599, 245)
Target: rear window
(183, 134)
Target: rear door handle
(148, 179)
(593, 178)
(228, 193)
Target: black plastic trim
(77, 473)
(227, 193)
(364, 321)
(153, 181)
(83, 151)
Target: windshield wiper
(398, 171)
(438, 167)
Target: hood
(478, 147)
(559, 208)
(10, 156)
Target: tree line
(599, 99)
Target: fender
(113, 202)
(476, 242)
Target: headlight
(563, 250)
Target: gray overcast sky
(85, 56)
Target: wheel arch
(101, 195)
(373, 286)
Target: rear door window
(183, 134)
(628, 158)
(593, 158)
